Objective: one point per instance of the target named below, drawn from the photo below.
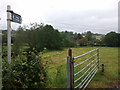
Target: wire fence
(81, 69)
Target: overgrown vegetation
(26, 71)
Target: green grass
(57, 67)
(108, 79)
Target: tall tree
(112, 39)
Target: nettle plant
(25, 71)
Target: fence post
(102, 67)
(98, 57)
(71, 68)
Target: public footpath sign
(11, 17)
(16, 18)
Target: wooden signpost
(11, 17)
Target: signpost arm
(9, 33)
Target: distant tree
(50, 37)
(112, 39)
(89, 35)
(83, 42)
(68, 39)
(18, 40)
(77, 36)
(4, 37)
(41, 37)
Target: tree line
(40, 36)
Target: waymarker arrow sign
(16, 18)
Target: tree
(112, 39)
(40, 37)
(68, 39)
(18, 40)
(82, 42)
(50, 37)
(77, 36)
(89, 36)
(4, 37)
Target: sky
(98, 16)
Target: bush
(25, 71)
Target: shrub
(25, 71)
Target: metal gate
(81, 69)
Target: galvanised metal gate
(81, 69)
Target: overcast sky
(98, 16)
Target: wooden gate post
(98, 57)
(71, 68)
(102, 67)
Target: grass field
(57, 67)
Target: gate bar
(85, 54)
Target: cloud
(74, 15)
(101, 21)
